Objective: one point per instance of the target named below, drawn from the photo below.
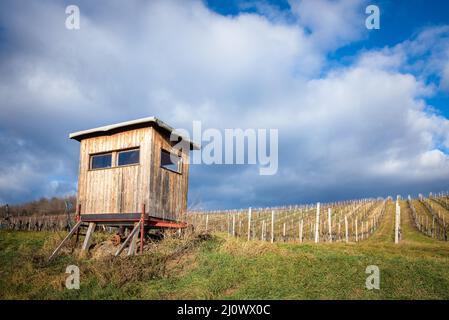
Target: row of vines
(346, 221)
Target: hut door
(129, 180)
(128, 189)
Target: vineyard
(430, 215)
(311, 251)
(342, 221)
(346, 221)
(38, 223)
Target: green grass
(227, 268)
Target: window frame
(114, 158)
(91, 157)
(117, 165)
(180, 162)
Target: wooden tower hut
(130, 174)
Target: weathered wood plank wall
(118, 189)
(168, 190)
(124, 189)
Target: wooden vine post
(346, 229)
(397, 222)
(317, 223)
(249, 223)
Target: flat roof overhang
(127, 125)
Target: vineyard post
(207, 221)
(233, 224)
(399, 222)
(356, 230)
(329, 223)
(346, 229)
(283, 232)
(317, 223)
(249, 223)
(272, 226)
(301, 225)
(396, 226)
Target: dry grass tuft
(240, 247)
(159, 259)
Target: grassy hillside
(224, 267)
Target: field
(225, 265)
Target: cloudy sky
(360, 113)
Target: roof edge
(78, 135)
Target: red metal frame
(131, 218)
(161, 223)
(78, 213)
(150, 221)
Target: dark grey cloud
(362, 130)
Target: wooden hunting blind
(130, 174)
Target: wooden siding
(125, 189)
(117, 189)
(168, 189)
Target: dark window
(170, 161)
(128, 157)
(101, 161)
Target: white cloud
(364, 127)
(331, 23)
(427, 54)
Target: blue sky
(360, 113)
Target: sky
(359, 112)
